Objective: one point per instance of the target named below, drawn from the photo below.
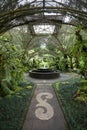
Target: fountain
(44, 73)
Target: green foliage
(81, 93)
(4, 91)
(75, 110)
(11, 65)
(79, 51)
(74, 44)
(13, 107)
(62, 64)
(29, 87)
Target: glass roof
(44, 29)
(40, 3)
(38, 13)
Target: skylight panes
(39, 3)
(44, 29)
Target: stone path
(63, 76)
(44, 111)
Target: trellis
(35, 12)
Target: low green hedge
(75, 110)
(13, 107)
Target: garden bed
(75, 109)
(13, 108)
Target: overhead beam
(8, 19)
(43, 4)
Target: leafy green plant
(75, 110)
(13, 107)
(81, 93)
(11, 67)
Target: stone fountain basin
(44, 73)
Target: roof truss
(39, 12)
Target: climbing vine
(11, 66)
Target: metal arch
(34, 12)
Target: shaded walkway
(45, 112)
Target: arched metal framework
(42, 12)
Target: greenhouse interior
(43, 64)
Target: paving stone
(45, 112)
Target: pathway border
(59, 120)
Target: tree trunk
(77, 62)
(66, 62)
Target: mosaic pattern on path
(44, 111)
